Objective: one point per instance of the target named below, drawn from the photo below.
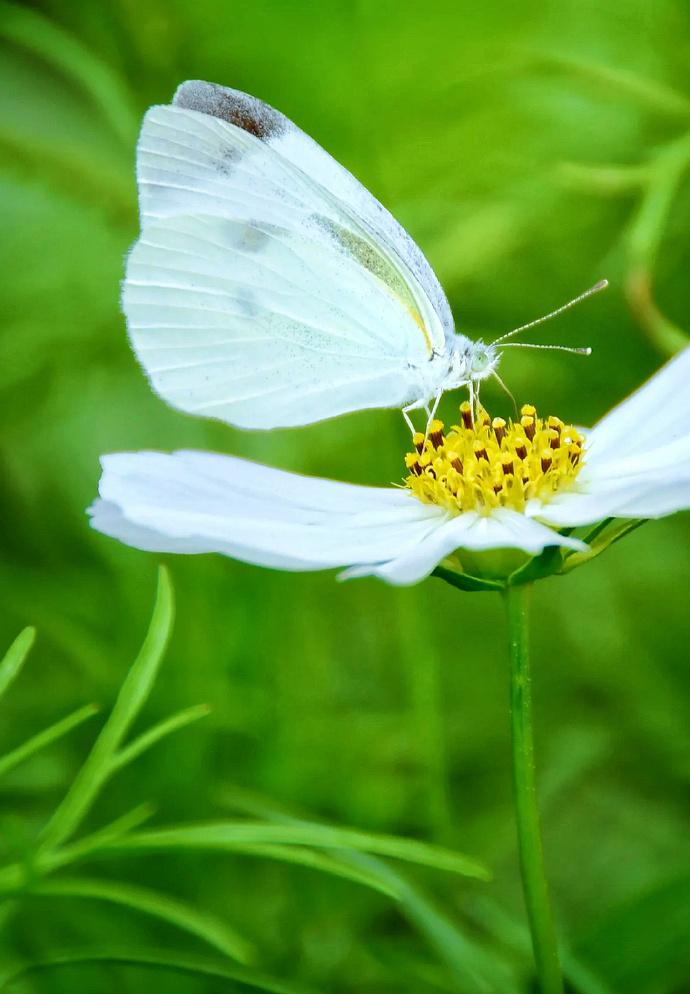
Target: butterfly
(269, 288)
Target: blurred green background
(530, 149)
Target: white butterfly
(268, 287)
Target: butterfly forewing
(278, 132)
(268, 287)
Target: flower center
(483, 464)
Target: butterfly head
(482, 360)
(469, 362)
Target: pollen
(484, 463)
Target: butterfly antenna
(505, 388)
(556, 348)
(601, 285)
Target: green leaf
(46, 737)
(315, 860)
(156, 733)
(464, 957)
(481, 969)
(201, 924)
(130, 700)
(15, 876)
(232, 836)
(463, 581)
(49, 860)
(156, 960)
(606, 533)
(14, 658)
(547, 563)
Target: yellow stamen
(499, 427)
(483, 464)
(436, 433)
(466, 414)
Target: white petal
(200, 502)
(111, 520)
(657, 413)
(639, 496)
(193, 502)
(637, 459)
(502, 529)
(644, 485)
(663, 461)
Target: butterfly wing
(264, 326)
(268, 287)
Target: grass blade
(154, 734)
(230, 836)
(130, 700)
(14, 658)
(15, 876)
(49, 860)
(482, 970)
(46, 737)
(315, 860)
(464, 957)
(157, 960)
(201, 924)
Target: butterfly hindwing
(239, 321)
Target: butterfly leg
(414, 406)
(431, 414)
(434, 407)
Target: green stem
(534, 886)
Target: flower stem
(534, 886)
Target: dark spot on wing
(228, 158)
(248, 113)
(248, 236)
(246, 301)
(254, 239)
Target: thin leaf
(302, 856)
(130, 700)
(201, 924)
(46, 737)
(463, 956)
(14, 658)
(156, 733)
(14, 877)
(52, 860)
(156, 959)
(602, 540)
(464, 581)
(230, 836)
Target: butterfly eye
(481, 359)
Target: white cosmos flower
(635, 463)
